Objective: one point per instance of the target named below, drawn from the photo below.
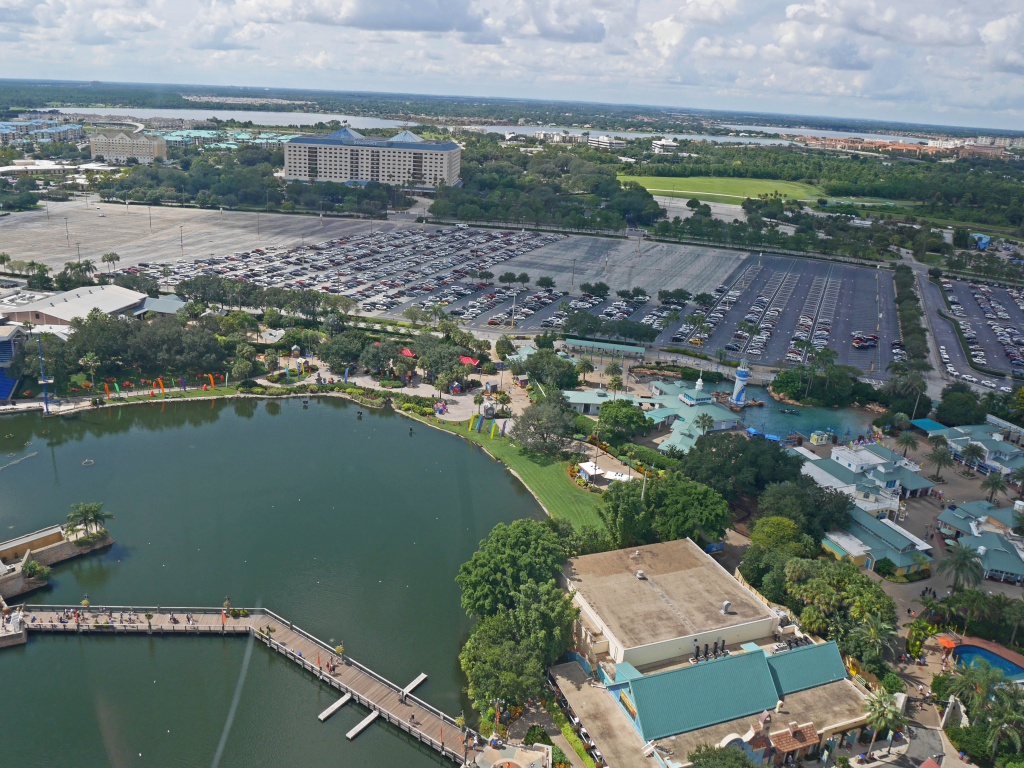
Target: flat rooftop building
(62, 308)
(651, 604)
(347, 156)
(120, 147)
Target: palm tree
(704, 422)
(972, 453)
(615, 383)
(908, 441)
(963, 564)
(478, 401)
(1017, 477)
(613, 369)
(90, 362)
(585, 366)
(938, 441)
(88, 516)
(995, 484)
(1014, 616)
(110, 259)
(5, 259)
(87, 267)
(876, 634)
(883, 714)
(1007, 719)
(941, 459)
(976, 685)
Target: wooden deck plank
(381, 696)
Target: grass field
(722, 190)
(550, 480)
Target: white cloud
(867, 58)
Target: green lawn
(549, 480)
(723, 190)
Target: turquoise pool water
(967, 654)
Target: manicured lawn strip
(551, 482)
(729, 189)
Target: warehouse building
(119, 147)
(347, 156)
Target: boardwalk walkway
(421, 720)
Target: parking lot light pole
(181, 239)
(66, 233)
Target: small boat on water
(788, 411)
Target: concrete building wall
(117, 148)
(683, 646)
(402, 166)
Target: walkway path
(423, 721)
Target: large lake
(348, 526)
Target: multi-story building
(119, 147)
(41, 131)
(11, 337)
(606, 142)
(405, 159)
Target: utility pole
(149, 208)
(66, 233)
(181, 239)
(572, 280)
(79, 247)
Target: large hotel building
(404, 160)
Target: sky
(941, 61)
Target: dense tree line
(577, 189)
(243, 177)
(983, 190)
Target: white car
(968, 377)
(987, 383)
(1007, 390)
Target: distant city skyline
(951, 64)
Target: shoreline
(117, 402)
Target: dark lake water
(348, 526)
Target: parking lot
(775, 302)
(991, 321)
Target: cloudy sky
(941, 61)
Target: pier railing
(253, 623)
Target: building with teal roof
(990, 531)
(867, 539)
(772, 706)
(674, 404)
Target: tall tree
(908, 441)
(963, 565)
(882, 714)
(994, 483)
(509, 557)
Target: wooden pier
(385, 699)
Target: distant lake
(284, 119)
(259, 118)
(827, 134)
(529, 130)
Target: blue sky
(943, 61)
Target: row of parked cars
(713, 313)
(584, 303)
(526, 308)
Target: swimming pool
(967, 654)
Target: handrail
(90, 624)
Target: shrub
(893, 684)
(885, 567)
(35, 570)
(537, 735)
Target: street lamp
(181, 239)
(66, 233)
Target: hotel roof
(346, 137)
(682, 593)
(109, 299)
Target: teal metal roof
(838, 471)
(927, 425)
(605, 345)
(806, 667)
(624, 672)
(1000, 554)
(704, 694)
(883, 453)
